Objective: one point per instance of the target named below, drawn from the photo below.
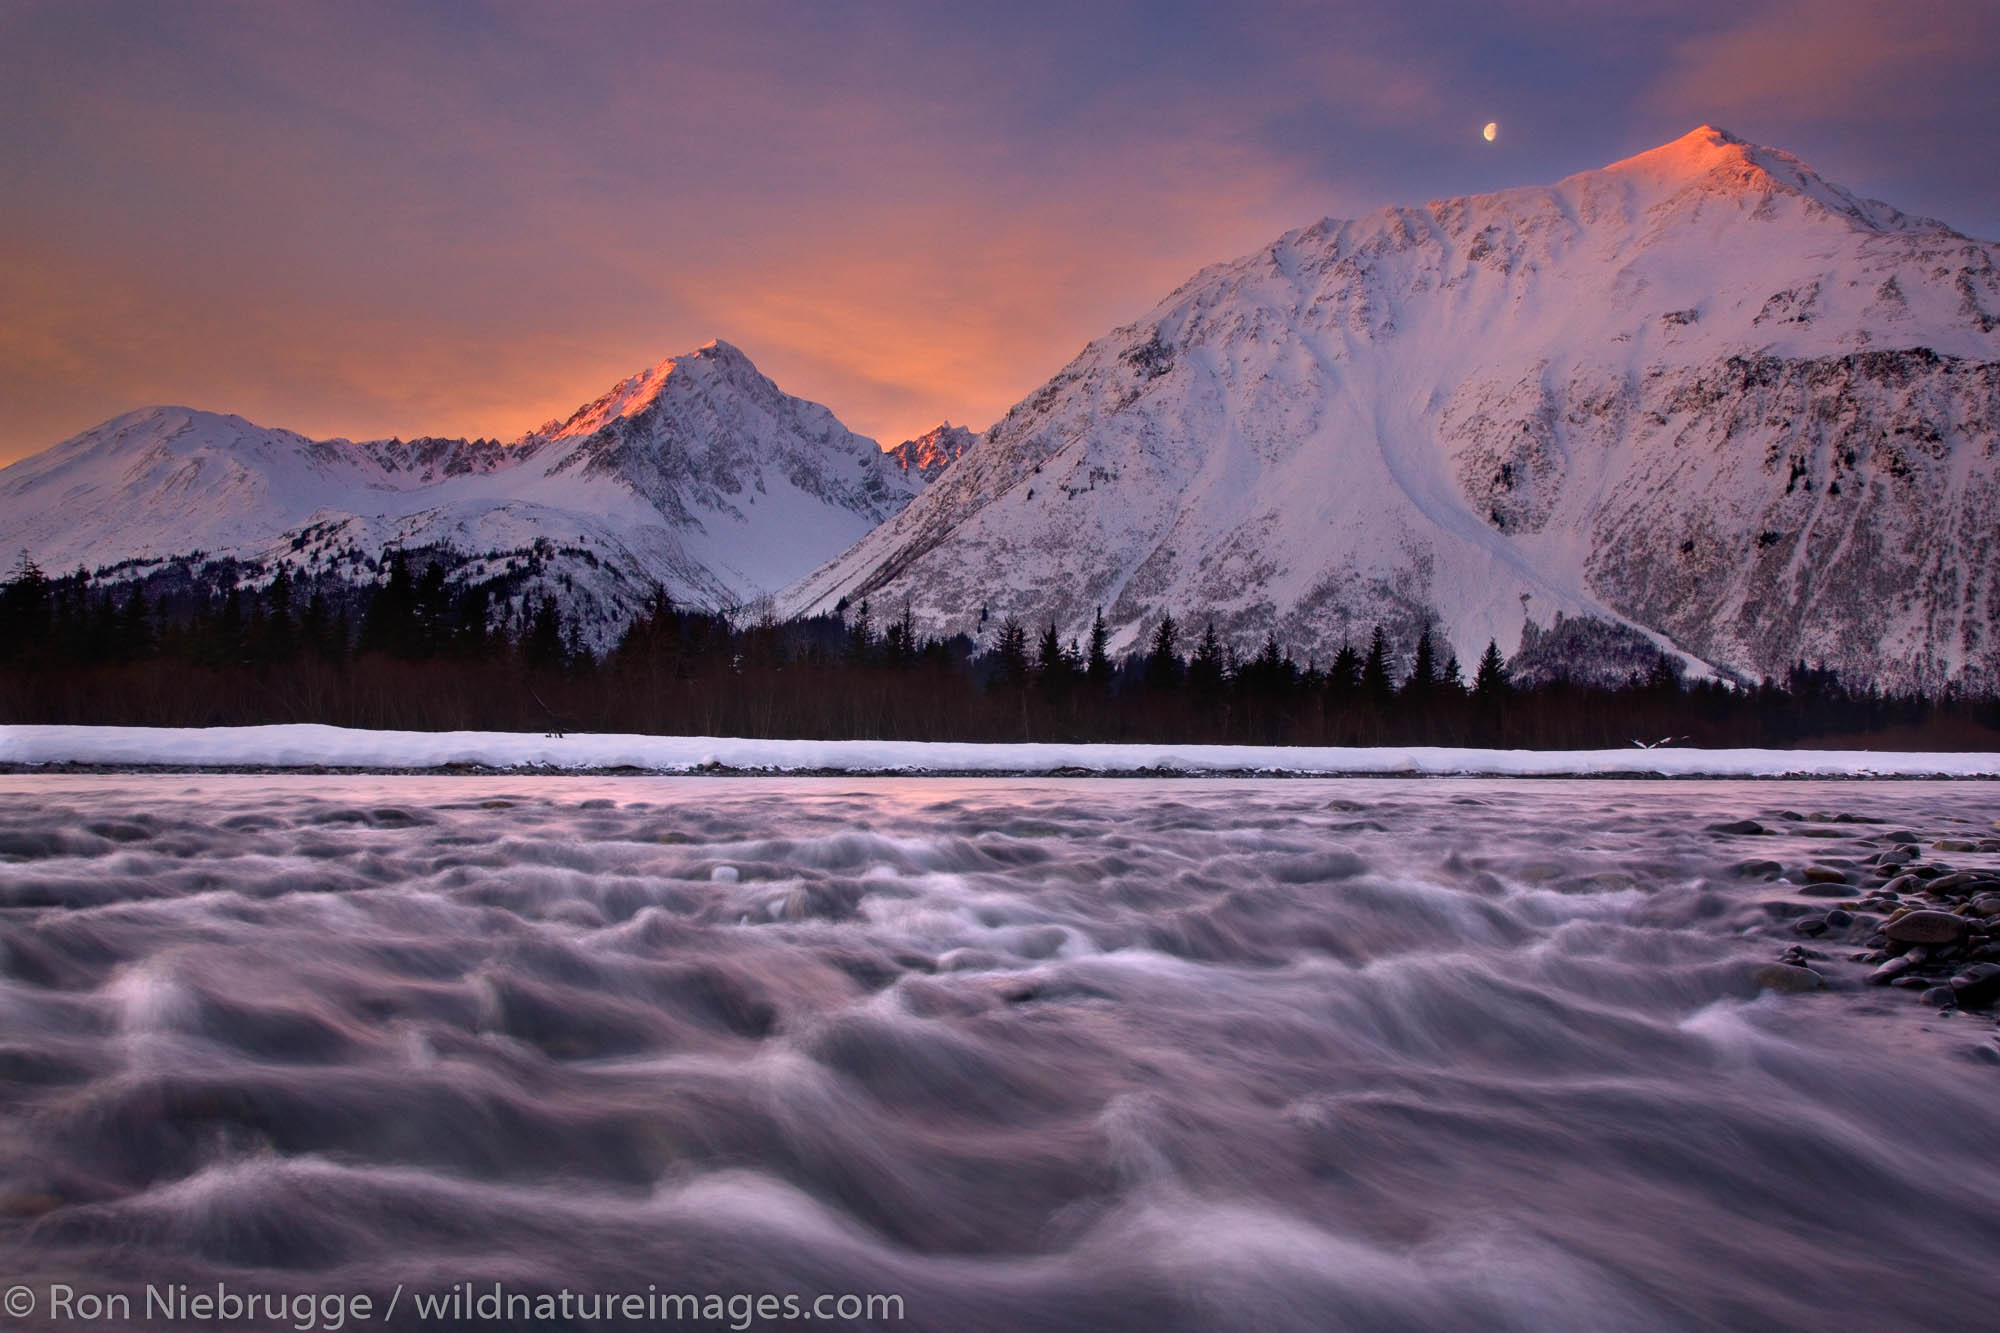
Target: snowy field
(309, 745)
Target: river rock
(1825, 890)
(1782, 908)
(1785, 978)
(1925, 927)
(1985, 905)
(1888, 972)
(1838, 918)
(1745, 826)
(1941, 996)
(1978, 984)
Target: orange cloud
(370, 220)
(380, 259)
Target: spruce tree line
(420, 649)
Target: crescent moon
(1492, 130)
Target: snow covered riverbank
(307, 745)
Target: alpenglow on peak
(1715, 161)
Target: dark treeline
(418, 650)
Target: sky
(370, 219)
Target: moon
(1492, 130)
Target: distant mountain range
(697, 474)
(1701, 402)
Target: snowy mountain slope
(1702, 392)
(933, 451)
(699, 473)
(166, 480)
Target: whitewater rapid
(1472, 1054)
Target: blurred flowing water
(1028, 1053)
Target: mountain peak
(933, 451)
(635, 393)
(1715, 161)
(1703, 152)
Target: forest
(417, 650)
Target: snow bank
(311, 745)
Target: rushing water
(1027, 1054)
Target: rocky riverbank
(1900, 916)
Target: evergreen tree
(861, 637)
(1271, 672)
(1378, 686)
(900, 641)
(544, 645)
(1343, 675)
(316, 627)
(1097, 665)
(389, 624)
(1423, 680)
(135, 627)
(1163, 663)
(1206, 669)
(1010, 653)
(1053, 667)
(470, 634)
(1489, 682)
(101, 640)
(226, 636)
(430, 629)
(340, 641)
(1490, 690)
(280, 638)
(27, 610)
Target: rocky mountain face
(698, 473)
(1702, 396)
(933, 451)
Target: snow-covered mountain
(1703, 394)
(933, 451)
(698, 473)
